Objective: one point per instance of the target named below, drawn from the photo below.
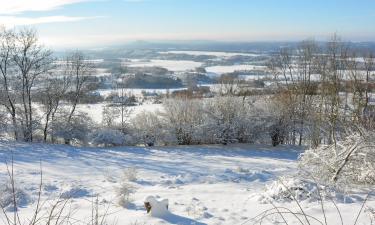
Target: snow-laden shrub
(231, 119)
(288, 189)
(349, 161)
(130, 140)
(125, 191)
(148, 129)
(371, 213)
(130, 174)
(77, 130)
(124, 194)
(7, 197)
(184, 119)
(108, 137)
(225, 119)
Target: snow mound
(75, 192)
(241, 174)
(179, 179)
(6, 197)
(197, 210)
(176, 180)
(50, 188)
(288, 189)
(236, 175)
(159, 207)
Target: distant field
(171, 65)
(208, 53)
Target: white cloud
(11, 21)
(11, 12)
(9, 7)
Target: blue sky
(75, 23)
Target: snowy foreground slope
(204, 184)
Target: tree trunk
(15, 128)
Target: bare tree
(306, 61)
(123, 103)
(52, 94)
(313, 80)
(285, 71)
(369, 64)
(7, 96)
(336, 56)
(31, 60)
(78, 68)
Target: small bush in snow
(371, 212)
(130, 174)
(74, 131)
(124, 193)
(148, 129)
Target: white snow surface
(204, 184)
(230, 69)
(137, 91)
(208, 53)
(171, 65)
(95, 111)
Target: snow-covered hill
(204, 184)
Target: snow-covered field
(208, 53)
(95, 111)
(204, 184)
(136, 91)
(171, 65)
(230, 69)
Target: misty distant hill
(151, 49)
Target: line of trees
(219, 120)
(37, 91)
(322, 90)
